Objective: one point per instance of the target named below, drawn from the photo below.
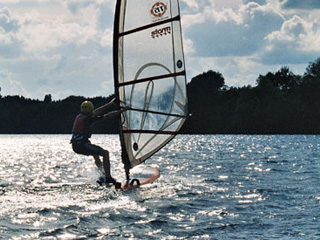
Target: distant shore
(281, 103)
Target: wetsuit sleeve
(94, 120)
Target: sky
(64, 47)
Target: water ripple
(211, 187)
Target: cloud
(10, 86)
(57, 51)
(243, 39)
(192, 4)
(41, 36)
(297, 41)
(7, 22)
(38, 33)
(260, 2)
(305, 4)
(106, 38)
(233, 31)
(34, 31)
(9, 45)
(65, 47)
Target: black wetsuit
(81, 132)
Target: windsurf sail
(149, 76)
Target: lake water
(211, 187)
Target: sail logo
(160, 32)
(159, 9)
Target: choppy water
(211, 187)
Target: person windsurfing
(82, 130)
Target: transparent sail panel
(151, 76)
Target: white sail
(149, 72)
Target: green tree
(47, 98)
(283, 79)
(313, 70)
(203, 94)
(207, 82)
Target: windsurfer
(82, 131)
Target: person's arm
(114, 114)
(104, 108)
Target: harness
(78, 139)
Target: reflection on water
(211, 187)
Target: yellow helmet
(87, 107)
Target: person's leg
(106, 164)
(98, 163)
(97, 151)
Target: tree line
(280, 103)
(25, 116)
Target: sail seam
(150, 131)
(160, 113)
(177, 18)
(152, 78)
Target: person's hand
(125, 108)
(113, 101)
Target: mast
(116, 37)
